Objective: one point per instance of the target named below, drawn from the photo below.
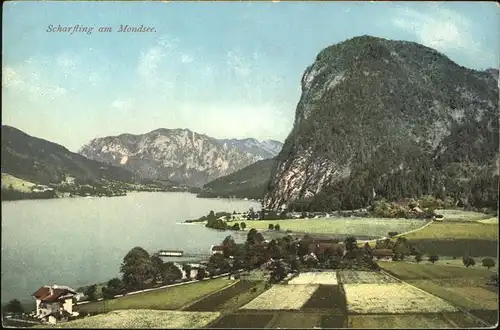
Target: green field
(461, 215)
(464, 287)
(456, 230)
(17, 184)
(429, 321)
(141, 319)
(169, 298)
(341, 226)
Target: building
(54, 303)
(170, 253)
(384, 254)
(217, 249)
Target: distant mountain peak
(179, 154)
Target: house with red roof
(54, 302)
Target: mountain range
(179, 155)
(377, 118)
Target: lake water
(81, 241)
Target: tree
(14, 306)
(90, 292)
(468, 261)
(271, 226)
(243, 226)
(350, 243)
(418, 257)
(278, 272)
(367, 249)
(187, 269)
(201, 273)
(137, 268)
(433, 258)
(488, 263)
(157, 268)
(113, 288)
(277, 227)
(254, 237)
(171, 273)
(236, 226)
(218, 262)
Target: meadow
(456, 230)
(169, 298)
(142, 318)
(373, 227)
(466, 288)
(462, 215)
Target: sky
(228, 70)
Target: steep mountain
(249, 182)
(384, 118)
(178, 154)
(40, 161)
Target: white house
(54, 302)
(217, 249)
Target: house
(384, 254)
(217, 249)
(54, 303)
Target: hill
(393, 119)
(249, 182)
(42, 162)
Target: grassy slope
(169, 298)
(250, 182)
(17, 183)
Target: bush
(433, 258)
(488, 263)
(277, 227)
(468, 261)
(392, 233)
(271, 226)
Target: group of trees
(140, 270)
(14, 306)
(274, 227)
(486, 262)
(214, 221)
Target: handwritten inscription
(77, 28)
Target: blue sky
(223, 69)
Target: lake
(81, 241)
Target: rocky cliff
(179, 155)
(390, 119)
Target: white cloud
(67, 61)
(439, 28)
(30, 80)
(222, 120)
(148, 63)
